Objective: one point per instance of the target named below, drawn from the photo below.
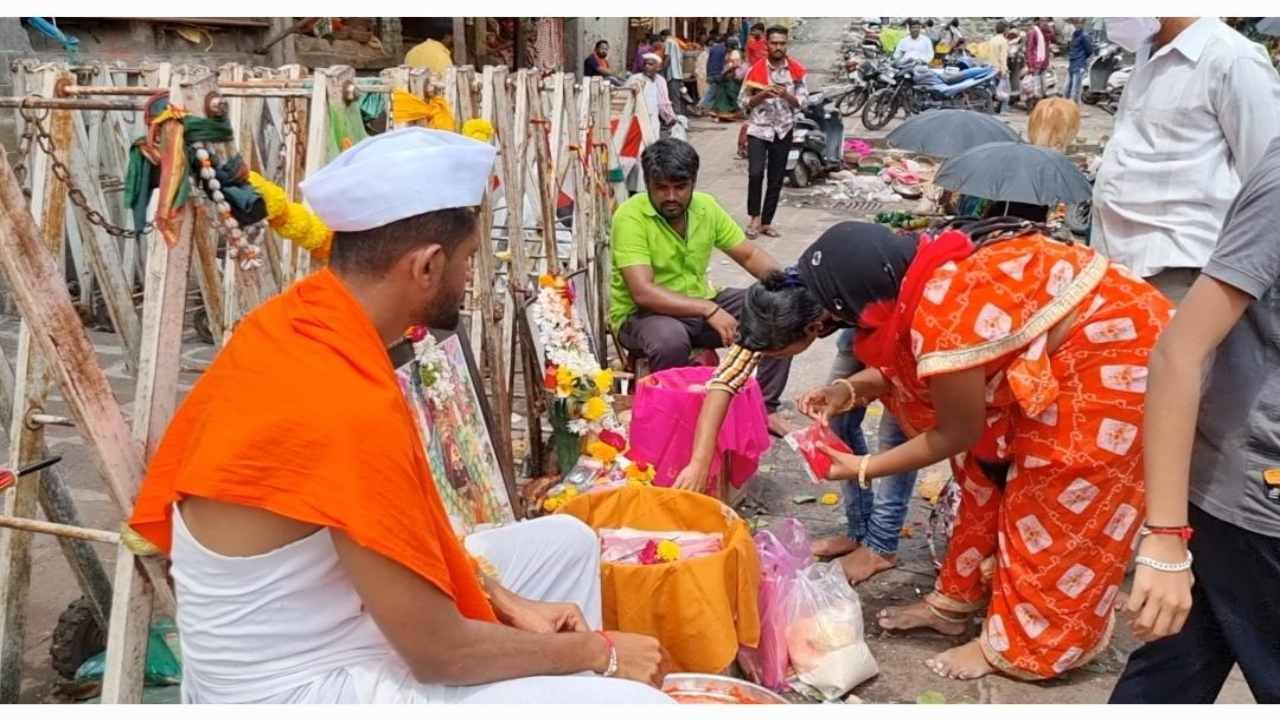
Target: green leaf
(931, 697)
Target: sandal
(770, 232)
(752, 233)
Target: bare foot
(966, 662)
(919, 615)
(834, 546)
(865, 562)
(778, 425)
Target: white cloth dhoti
(289, 627)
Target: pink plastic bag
(665, 416)
(783, 553)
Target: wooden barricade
(555, 145)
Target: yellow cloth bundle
(409, 108)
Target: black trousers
(1234, 619)
(667, 342)
(766, 165)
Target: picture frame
(458, 437)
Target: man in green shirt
(661, 304)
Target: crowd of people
(1083, 420)
(1030, 366)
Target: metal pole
(110, 90)
(69, 104)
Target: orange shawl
(301, 415)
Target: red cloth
(757, 49)
(758, 75)
(886, 323)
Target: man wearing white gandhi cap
(657, 98)
(313, 560)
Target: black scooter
(815, 141)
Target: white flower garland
(564, 344)
(434, 371)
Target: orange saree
(1052, 493)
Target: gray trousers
(667, 342)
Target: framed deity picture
(443, 385)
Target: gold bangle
(853, 395)
(862, 472)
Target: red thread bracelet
(611, 668)
(1183, 531)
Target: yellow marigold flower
(595, 409)
(551, 504)
(478, 129)
(546, 281)
(603, 452)
(604, 381)
(829, 499)
(668, 551)
(564, 376)
(634, 483)
(570, 491)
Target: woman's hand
(1160, 600)
(844, 466)
(692, 477)
(821, 403)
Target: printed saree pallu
(1052, 493)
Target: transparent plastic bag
(783, 552)
(825, 634)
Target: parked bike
(864, 80)
(915, 88)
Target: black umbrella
(948, 133)
(1015, 172)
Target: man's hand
(639, 658)
(844, 466)
(724, 324)
(545, 617)
(1160, 600)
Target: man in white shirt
(656, 99)
(916, 46)
(1195, 118)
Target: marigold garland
(293, 221)
(478, 129)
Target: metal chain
(45, 141)
(24, 152)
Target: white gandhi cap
(399, 174)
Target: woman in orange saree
(1023, 361)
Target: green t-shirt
(641, 236)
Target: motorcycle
(915, 88)
(863, 81)
(815, 141)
